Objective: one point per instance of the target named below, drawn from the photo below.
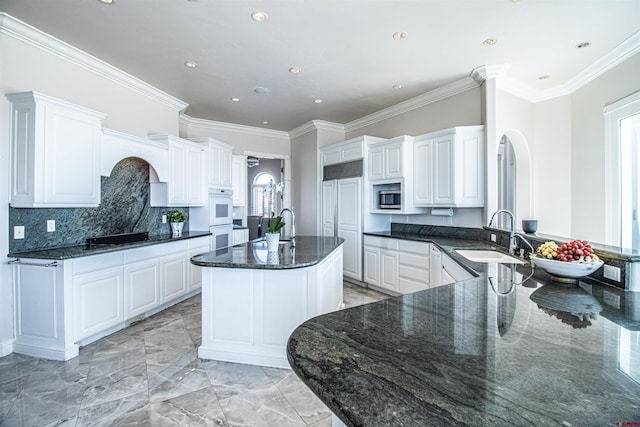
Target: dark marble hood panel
(124, 208)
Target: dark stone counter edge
(78, 251)
(315, 261)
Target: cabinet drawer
(155, 251)
(413, 260)
(381, 242)
(415, 247)
(415, 274)
(97, 262)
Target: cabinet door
(195, 271)
(331, 157)
(371, 265)
(392, 155)
(349, 218)
(98, 301)
(142, 287)
(389, 269)
(376, 163)
(469, 169)
(214, 173)
(225, 167)
(239, 180)
(423, 173)
(443, 186)
(174, 277)
(195, 192)
(329, 200)
(178, 175)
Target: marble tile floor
(149, 375)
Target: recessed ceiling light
(235, 99)
(107, 1)
(190, 64)
(490, 42)
(295, 70)
(261, 90)
(398, 86)
(400, 35)
(259, 16)
(318, 101)
(545, 77)
(583, 45)
(265, 122)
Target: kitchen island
(479, 353)
(253, 299)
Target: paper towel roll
(442, 212)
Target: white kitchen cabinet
(55, 153)
(390, 159)
(98, 301)
(345, 151)
(240, 235)
(142, 284)
(239, 180)
(449, 168)
(66, 303)
(185, 185)
(218, 163)
(401, 266)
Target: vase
(273, 240)
(176, 228)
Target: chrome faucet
(512, 232)
(527, 242)
(293, 226)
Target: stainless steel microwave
(389, 199)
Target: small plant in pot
(274, 225)
(177, 219)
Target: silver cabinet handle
(19, 261)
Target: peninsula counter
(253, 299)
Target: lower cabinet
(240, 235)
(63, 304)
(401, 266)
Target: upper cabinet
(346, 151)
(218, 163)
(449, 168)
(391, 159)
(239, 180)
(185, 185)
(55, 153)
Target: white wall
(304, 181)
(553, 185)
(587, 152)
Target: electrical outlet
(18, 232)
(493, 237)
(164, 219)
(51, 225)
(611, 272)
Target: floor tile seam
(296, 410)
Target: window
(263, 195)
(622, 159)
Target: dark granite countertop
(77, 251)
(308, 250)
(478, 352)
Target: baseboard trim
(6, 347)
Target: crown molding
(484, 72)
(25, 33)
(443, 92)
(619, 54)
(312, 125)
(232, 127)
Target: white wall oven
(220, 207)
(221, 236)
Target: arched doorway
(514, 177)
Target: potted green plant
(177, 219)
(274, 225)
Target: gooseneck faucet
(512, 232)
(293, 225)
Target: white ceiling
(345, 48)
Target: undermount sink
(487, 256)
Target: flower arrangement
(275, 224)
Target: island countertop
(308, 251)
(479, 353)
